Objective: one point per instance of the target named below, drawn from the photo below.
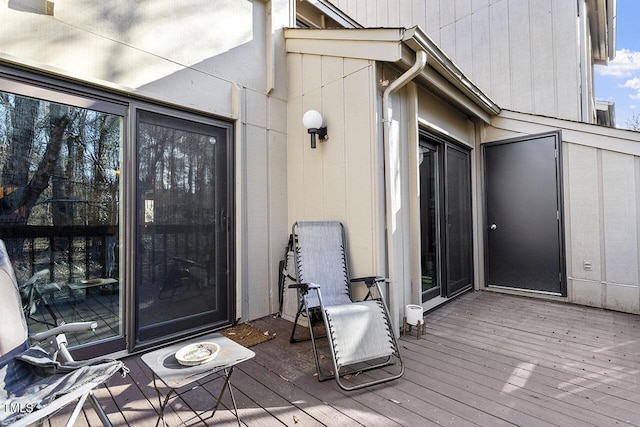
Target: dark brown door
(524, 214)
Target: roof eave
(416, 38)
(396, 45)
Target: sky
(620, 80)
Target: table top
(164, 364)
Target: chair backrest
(13, 325)
(321, 258)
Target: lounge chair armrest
(368, 280)
(373, 285)
(36, 276)
(304, 287)
(62, 329)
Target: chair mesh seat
(359, 331)
(34, 380)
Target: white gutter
(584, 80)
(387, 113)
(611, 28)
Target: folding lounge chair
(360, 334)
(33, 384)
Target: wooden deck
(487, 359)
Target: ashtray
(197, 354)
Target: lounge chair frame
(314, 307)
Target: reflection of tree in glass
(58, 155)
(59, 164)
(176, 169)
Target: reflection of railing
(16, 231)
(171, 255)
(88, 251)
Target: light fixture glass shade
(312, 119)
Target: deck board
(545, 381)
(487, 359)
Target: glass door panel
(59, 210)
(183, 251)
(459, 261)
(429, 241)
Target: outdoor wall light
(312, 121)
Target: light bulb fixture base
(319, 132)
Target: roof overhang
(602, 23)
(398, 46)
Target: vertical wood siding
(337, 180)
(522, 53)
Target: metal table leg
(163, 404)
(227, 384)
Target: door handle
(223, 220)
(493, 226)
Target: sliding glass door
(115, 210)
(183, 248)
(457, 221)
(445, 218)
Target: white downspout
(387, 113)
(584, 45)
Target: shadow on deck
(487, 359)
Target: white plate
(197, 354)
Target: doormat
(246, 334)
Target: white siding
(432, 20)
(583, 200)
(500, 58)
(464, 43)
(447, 12)
(566, 54)
(520, 56)
(620, 230)
(542, 65)
(523, 53)
(161, 49)
(481, 48)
